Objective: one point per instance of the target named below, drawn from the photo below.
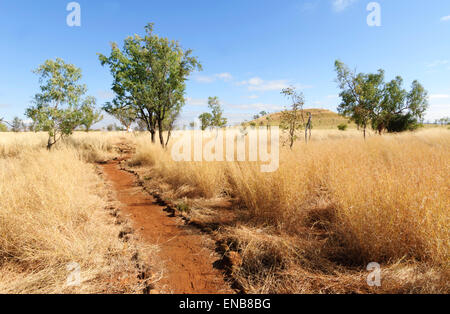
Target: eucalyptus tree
(150, 76)
(400, 110)
(91, 116)
(368, 100)
(57, 108)
(205, 120)
(213, 119)
(217, 119)
(361, 93)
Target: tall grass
(52, 213)
(383, 199)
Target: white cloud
(437, 111)
(204, 79)
(341, 5)
(226, 77)
(439, 107)
(253, 97)
(198, 102)
(445, 18)
(437, 63)
(258, 84)
(439, 96)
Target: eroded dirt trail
(184, 250)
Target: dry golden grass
(321, 119)
(332, 207)
(52, 213)
(337, 202)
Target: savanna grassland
(55, 210)
(334, 205)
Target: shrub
(342, 127)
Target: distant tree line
(385, 106)
(149, 82)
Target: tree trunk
(49, 143)
(168, 136)
(152, 133)
(160, 132)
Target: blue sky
(249, 49)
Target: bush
(342, 126)
(3, 127)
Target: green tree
(217, 119)
(361, 93)
(57, 107)
(366, 98)
(17, 125)
(292, 119)
(124, 113)
(150, 75)
(3, 126)
(399, 109)
(91, 116)
(205, 120)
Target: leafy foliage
(367, 99)
(124, 113)
(90, 114)
(342, 127)
(58, 108)
(205, 120)
(3, 127)
(149, 76)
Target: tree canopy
(126, 114)
(368, 100)
(91, 116)
(213, 119)
(57, 108)
(150, 76)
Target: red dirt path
(188, 262)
